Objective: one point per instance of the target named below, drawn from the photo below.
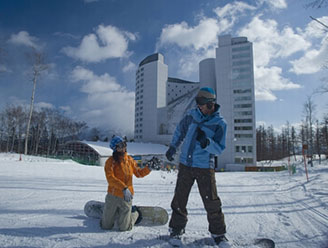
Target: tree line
(312, 133)
(49, 128)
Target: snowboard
(208, 241)
(151, 215)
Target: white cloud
(108, 42)
(25, 39)
(4, 69)
(40, 105)
(268, 80)
(108, 105)
(269, 42)
(277, 4)
(315, 29)
(233, 10)
(314, 58)
(204, 34)
(312, 61)
(130, 66)
(66, 109)
(199, 42)
(199, 37)
(67, 35)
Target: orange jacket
(119, 175)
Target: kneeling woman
(119, 170)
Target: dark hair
(117, 156)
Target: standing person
(202, 131)
(119, 170)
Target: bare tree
(318, 140)
(324, 133)
(38, 66)
(309, 109)
(293, 141)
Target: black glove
(170, 152)
(201, 138)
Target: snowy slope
(41, 205)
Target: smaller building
(96, 153)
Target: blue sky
(93, 48)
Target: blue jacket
(192, 154)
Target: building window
(238, 49)
(243, 98)
(241, 55)
(243, 120)
(239, 135)
(243, 128)
(243, 160)
(242, 91)
(241, 62)
(240, 70)
(241, 76)
(243, 113)
(242, 106)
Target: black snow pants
(207, 187)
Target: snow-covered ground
(41, 205)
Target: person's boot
(175, 236)
(221, 241)
(136, 209)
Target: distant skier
(119, 170)
(202, 131)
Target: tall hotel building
(161, 101)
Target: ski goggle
(204, 100)
(121, 145)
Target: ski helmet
(115, 140)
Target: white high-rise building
(235, 94)
(161, 101)
(151, 81)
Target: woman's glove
(127, 195)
